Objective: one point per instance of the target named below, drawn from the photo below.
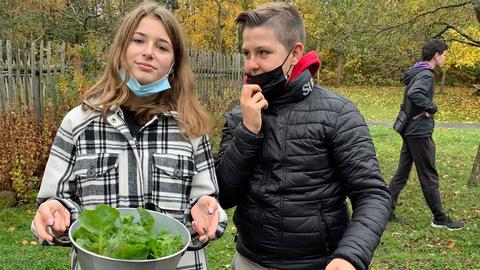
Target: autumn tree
(475, 176)
(209, 25)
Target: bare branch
(465, 42)
(459, 31)
(414, 19)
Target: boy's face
(262, 51)
(440, 58)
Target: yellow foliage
(463, 55)
(200, 22)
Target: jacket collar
(300, 83)
(296, 89)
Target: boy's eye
(263, 53)
(246, 54)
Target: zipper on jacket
(289, 108)
(258, 228)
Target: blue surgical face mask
(147, 89)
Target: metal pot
(91, 261)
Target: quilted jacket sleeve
(238, 149)
(355, 159)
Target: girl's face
(149, 55)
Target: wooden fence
(216, 74)
(27, 73)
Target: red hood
(310, 60)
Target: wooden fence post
(2, 82)
(40, 85)
(25, 75)
(49, 87)
(35, 84)
(11, 86)
(18, 79)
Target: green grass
(378, 103)
(15, 229)
(411, 246)
(416, 245)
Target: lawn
(411, 246)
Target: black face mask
(272, 82)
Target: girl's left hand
(205, 217)
(340, 264)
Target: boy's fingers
(264, 104)
(249, 90)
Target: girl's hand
(205, 217)
(339, 264)
(51, 213)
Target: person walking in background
(418, 146)
(291, 155)
(139, 139)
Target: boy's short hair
(431, 47)
(284, 19)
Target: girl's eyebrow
(159, 39)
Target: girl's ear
(297, 52)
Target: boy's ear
(297, 52)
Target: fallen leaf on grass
(451, 244)
(11, 229)
(396, 234)
(33, 243)
(24, 242)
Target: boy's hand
(51, 213)
(339, 264)
(205, 217)
(252, 102)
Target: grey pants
(242, 263)
(420, 151)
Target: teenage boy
(418, 146)
(291, 155)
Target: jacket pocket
(97, 177)
(323, 226)
(172, 180)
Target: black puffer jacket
(419, 100)
(290, 182)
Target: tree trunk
(340, 63)
(442, 82)
(475, 177)
(218, 33)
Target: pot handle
(196, 244)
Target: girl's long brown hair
(110, 91)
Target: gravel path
(442, 125)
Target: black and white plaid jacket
(93, 161)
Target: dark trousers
(420, 151)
